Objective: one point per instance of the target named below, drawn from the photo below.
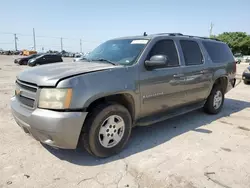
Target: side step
(168, 114)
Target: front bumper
(57, 129)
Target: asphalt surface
(195, 150)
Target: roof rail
(170, 34)
(201, 37)
(180, 34)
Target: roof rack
(170, 34)
(201, 37)
(180, 34)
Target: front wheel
(215, 100)
(107, 130)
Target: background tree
(239, 42)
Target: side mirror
(157, 61)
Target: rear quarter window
(218, 52)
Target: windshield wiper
(105, 60)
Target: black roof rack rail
(180, 34)
(201, 37)
(170, 34)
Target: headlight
(246, 71)
(55, 98)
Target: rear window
(218, 52)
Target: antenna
(145, 34)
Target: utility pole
(61, 44)
(81, 45)
(15, 39)
(211, 30)
(34, 39)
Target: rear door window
(192, 52)
(218, 52)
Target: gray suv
(124, 82)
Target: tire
(97, 128)
(209, 106)
(246, 82)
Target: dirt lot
(192, 151)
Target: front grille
(27, 86)
(26, 93)
(26, 101)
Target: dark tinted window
(54, 58)
(218, 52)
(192, 53)
(166, 47)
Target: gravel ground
(191, 151)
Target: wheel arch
(223, 81)
(125, 99)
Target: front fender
(92, 86)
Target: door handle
(178, 75)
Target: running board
(168, 114)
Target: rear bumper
(57, 129)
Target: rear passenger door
(197, 75)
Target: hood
(49, 75)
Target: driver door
(162, 88)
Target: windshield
(123, 51)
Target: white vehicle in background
(82, 57)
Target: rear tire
(106, 130)
(215, 100)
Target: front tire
(107, 130)
(215, 100)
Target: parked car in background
(79, 58)
(45, 59)
(128, 81)
(238, 58)
(24, 60)
(246, 75)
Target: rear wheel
(107, 130)
(215, 100)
